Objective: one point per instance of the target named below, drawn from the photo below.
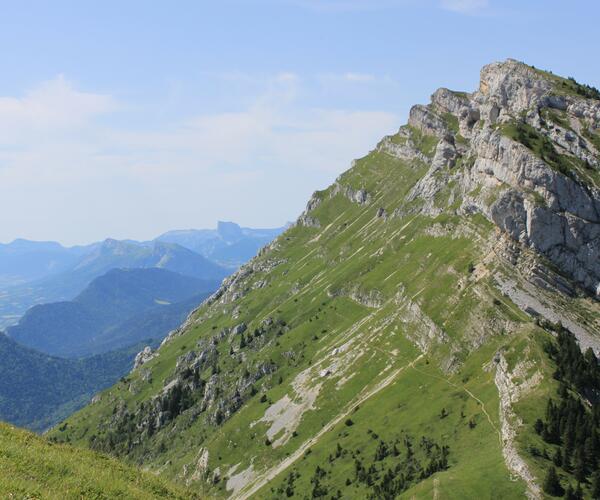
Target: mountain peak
(229, 230)
(531, 147)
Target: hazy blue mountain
(122, 254)
(22, 260)
(229, 245)
(41, 272)
(116, 309)
(153, 324)
(97, 260)
(37, 390)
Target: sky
(126, 119)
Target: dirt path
(263, 478)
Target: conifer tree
(557, 458)
(552, 484)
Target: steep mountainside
(33, 468)
(404, 337)
(100, 258)
(229, 245)
(37, 391)
(85, 325)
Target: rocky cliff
(527, 142)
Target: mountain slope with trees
(37, 390)
(396, 340)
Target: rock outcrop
(143, 357)
(540, 184)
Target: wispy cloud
(51, 107)
(63, 167)
(358, 77)
(353, 77)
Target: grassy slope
(412, 406)
(401, 257)
(31, 467)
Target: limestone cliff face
(539, 185)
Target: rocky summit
(427, 329)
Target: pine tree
(579, 468)
(557, 458)
(538, 426)
(591, 455)
(552, 484)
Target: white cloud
(287, 77)
(465, 6)
(49, 108)
(65, 175)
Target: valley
(60, 354)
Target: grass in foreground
(31, 467)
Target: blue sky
(126, 119)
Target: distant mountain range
(41, 272)
(113, 318)
(229, 245)
(22, 261)
(115, 310)
(94, 307)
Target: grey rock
(144, 356)
(381, 213)
(359, 196)
(554, 214)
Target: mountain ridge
(230, 244)
(400, 339)
(73, 329)
(39, 272)
(111, 254)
